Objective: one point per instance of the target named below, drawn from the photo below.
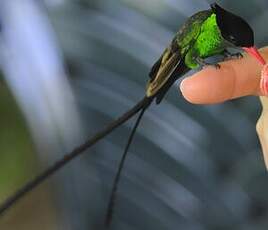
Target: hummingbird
(205, 34)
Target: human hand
(235, 78)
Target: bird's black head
(233, 28)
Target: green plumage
(208, 43)
(205, 34)
(198, 39)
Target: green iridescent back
(199, 37)
(209, 41)
(190, 30)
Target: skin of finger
(261, 128)
(235, 78)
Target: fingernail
(182, 85)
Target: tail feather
(110, 209)
(179, 71)
(50, 171)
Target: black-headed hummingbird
(205, 34)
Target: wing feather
(165, 66)
(163, 74)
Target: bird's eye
(232, 38)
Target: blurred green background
(68, 68)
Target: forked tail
(111, 204)
(73, 154)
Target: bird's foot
(216, 65)
(264, 81)
(227, 55)
(205, 64)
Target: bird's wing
(164, 67)
(155, 68)
(164, 71)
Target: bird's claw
(239, 55)
(217, 66)
(228, 55)
(205, 64)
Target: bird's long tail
(73, 154)
(111, 204)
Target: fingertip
(235, 78)
(187, 90)
(199, 88)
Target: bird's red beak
(255, 53)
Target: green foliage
(16, 149)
